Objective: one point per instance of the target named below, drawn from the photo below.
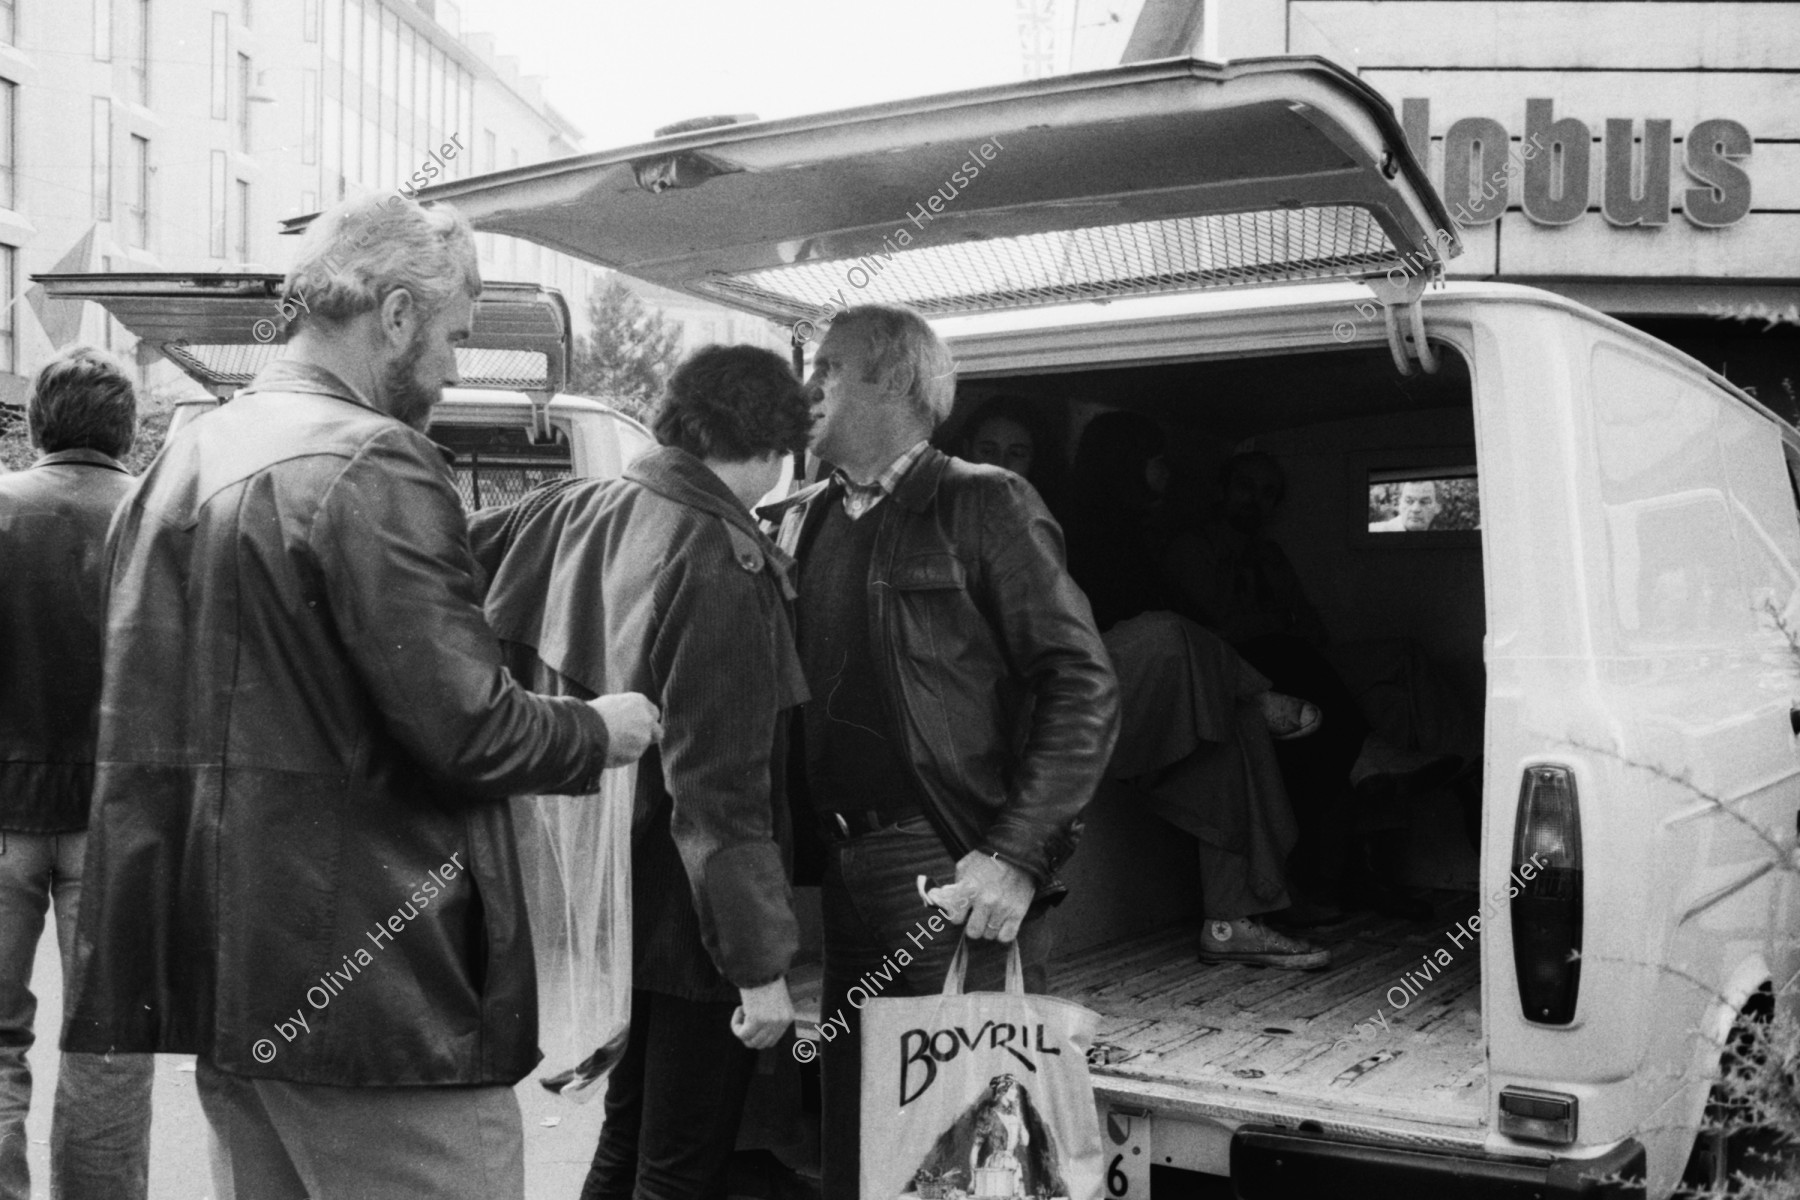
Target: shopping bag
(983, 1094)
(575, 863)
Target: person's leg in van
(871, 909)
(670, 1128)
(100, 1126)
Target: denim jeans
(872, 909)
(673, 1103)
(100, 1126)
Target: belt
(842, 826)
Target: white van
(1201, 243)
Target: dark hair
(1245, 458)
(1037, 419)
(82, 400)
(734, 403)
(1109, 463)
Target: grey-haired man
(301, 865)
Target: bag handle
(959, 966)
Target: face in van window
(1418, 506)
(1003, 442)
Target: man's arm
(714, 659)
(1043, 620)
(391, 544)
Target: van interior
(1340, 423)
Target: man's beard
(405, 397)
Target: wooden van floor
(1390, 1029)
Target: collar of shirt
(859, 498)
(91, 458)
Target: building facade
(176, 135)
(1641, 156)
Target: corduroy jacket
(301, 863)
(661, 583)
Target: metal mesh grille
(484, 484)
(237, 364)
(1179, 254)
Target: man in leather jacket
(963, 706)
(300, 863)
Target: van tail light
(1546, 895)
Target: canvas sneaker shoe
(1247, 940)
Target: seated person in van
(1232, 577)
(1019, 434)
(1197, 720)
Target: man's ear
(399, 313)
(900, 381)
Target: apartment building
(176, 135)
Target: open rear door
(222, 329)
(1153, 177)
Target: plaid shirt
(860, 498)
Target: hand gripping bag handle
(959, 965)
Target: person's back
(82, 415)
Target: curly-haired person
(663, 578)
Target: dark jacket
(306, 741)
(53, 519)
(661, 583)
(1005, 700)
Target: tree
(628, 354)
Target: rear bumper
(1275, 1164)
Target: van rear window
(1435, 499)
(497, 464)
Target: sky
(618, 70)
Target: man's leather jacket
(1003, 694)
(304, 717)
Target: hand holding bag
(982, 1095)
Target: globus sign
(1553, 157)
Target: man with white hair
(963, 705)
(301, 864)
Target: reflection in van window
(1676, 576)
(1763, 512)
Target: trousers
(100, 1122)
(273, 1140)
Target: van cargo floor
(1391, 1030)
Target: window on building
(9, 23)
(138, 225)
(309, 19)
(371, 44)
(309, 202)
(9, 321)
(102, 158)
(309, 116)
(243, 222)
(216, 240)
(139, 11)
(221, 67)
(9, 129)
(243, 103)
(244, 13)
(490, 150)
(103, 29)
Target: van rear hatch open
(1154, 177)
(221, 329)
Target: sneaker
(1247, 940)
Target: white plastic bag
(575, 860)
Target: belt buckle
(843, 825)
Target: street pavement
(559, 1135)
